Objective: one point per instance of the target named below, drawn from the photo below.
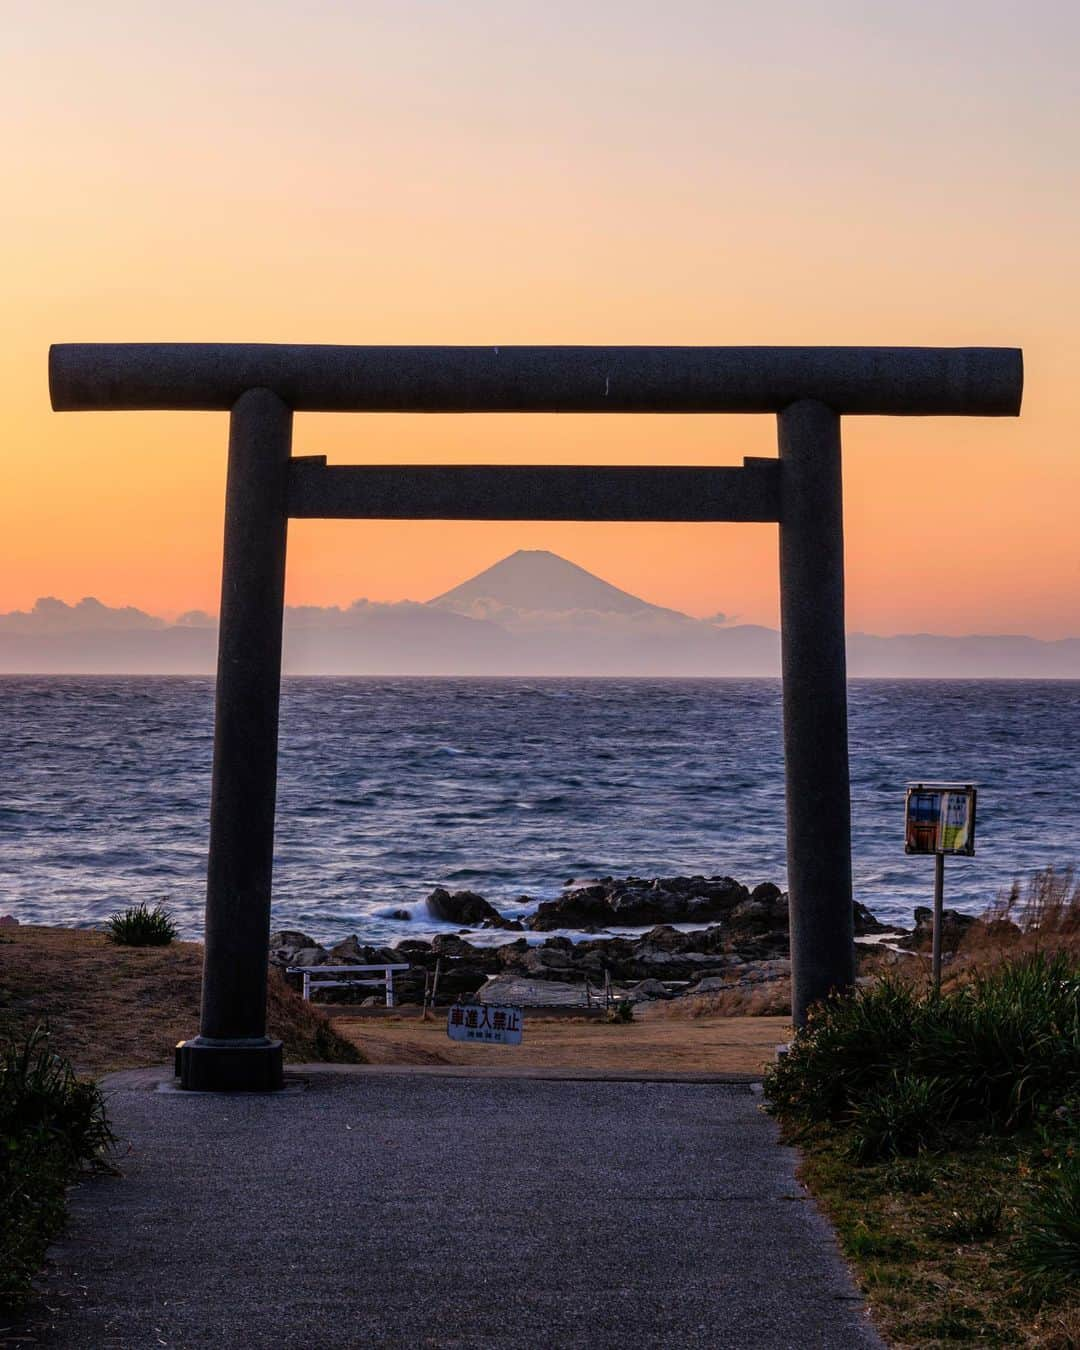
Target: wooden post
(435, 982)
(815, 705)
(232, 1050)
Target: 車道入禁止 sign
(486, 1023)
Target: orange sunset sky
(547, 172)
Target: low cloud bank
(531, 614)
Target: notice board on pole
(940, 818)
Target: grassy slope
(932, 1239)
(112, 1007)
(936, 1264)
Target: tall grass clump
(899, 1069)
(142, 927)
(52, 1125)
(1041, 913)
(1049, 1250)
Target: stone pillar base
(205, 1065)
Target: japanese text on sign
(485, 1023)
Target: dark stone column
(815, 704)
(232, 1050)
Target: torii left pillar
(232, 1050)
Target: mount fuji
(532, 613)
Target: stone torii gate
(260, 386)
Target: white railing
(320, 977)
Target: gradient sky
(828, 172)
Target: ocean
(510, 787)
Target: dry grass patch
(650, 1043)
(763, 1000)
(110, 1007)
(1039, 915)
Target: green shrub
(142, 927)
(51, 1125)
(621, 1011)
(898, 1120)
(889, 1061)
(1050, 1247)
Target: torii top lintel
(876, 381)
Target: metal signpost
(939, 818)
(807, 389)
(485, 1024)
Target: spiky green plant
(52, 1124)
(142, 927)
(998, 1050)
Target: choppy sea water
(508, 787)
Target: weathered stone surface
(953, 927)
(866, 923)
(290, 938)
(633, 901)
(647, 991)
(307, 956)
(463, 907)
(746, 946)
(349, 952)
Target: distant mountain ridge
(532, 613)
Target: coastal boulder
(635, 902)
(866, 923)
(462, 907)
(647, 991)
(290, 939)
(289, 947)
(349, 952)
(306, 956)
(953, 927)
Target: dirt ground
(651, 1042)
(112, 1007)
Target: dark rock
(459, 978)
(573, 910)
(349, 952)
(449, 945)
(463, 907)
(669, 939)
(413, 948)
(646, 991)
(953, 927)
(305, 956)
(866, 923)
(510, 953)
(291, 938)
(764, 912)
(633, 902)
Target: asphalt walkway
(376, 1209)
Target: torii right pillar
(815, 705)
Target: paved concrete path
(403, 1210)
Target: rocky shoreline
(740, 942)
